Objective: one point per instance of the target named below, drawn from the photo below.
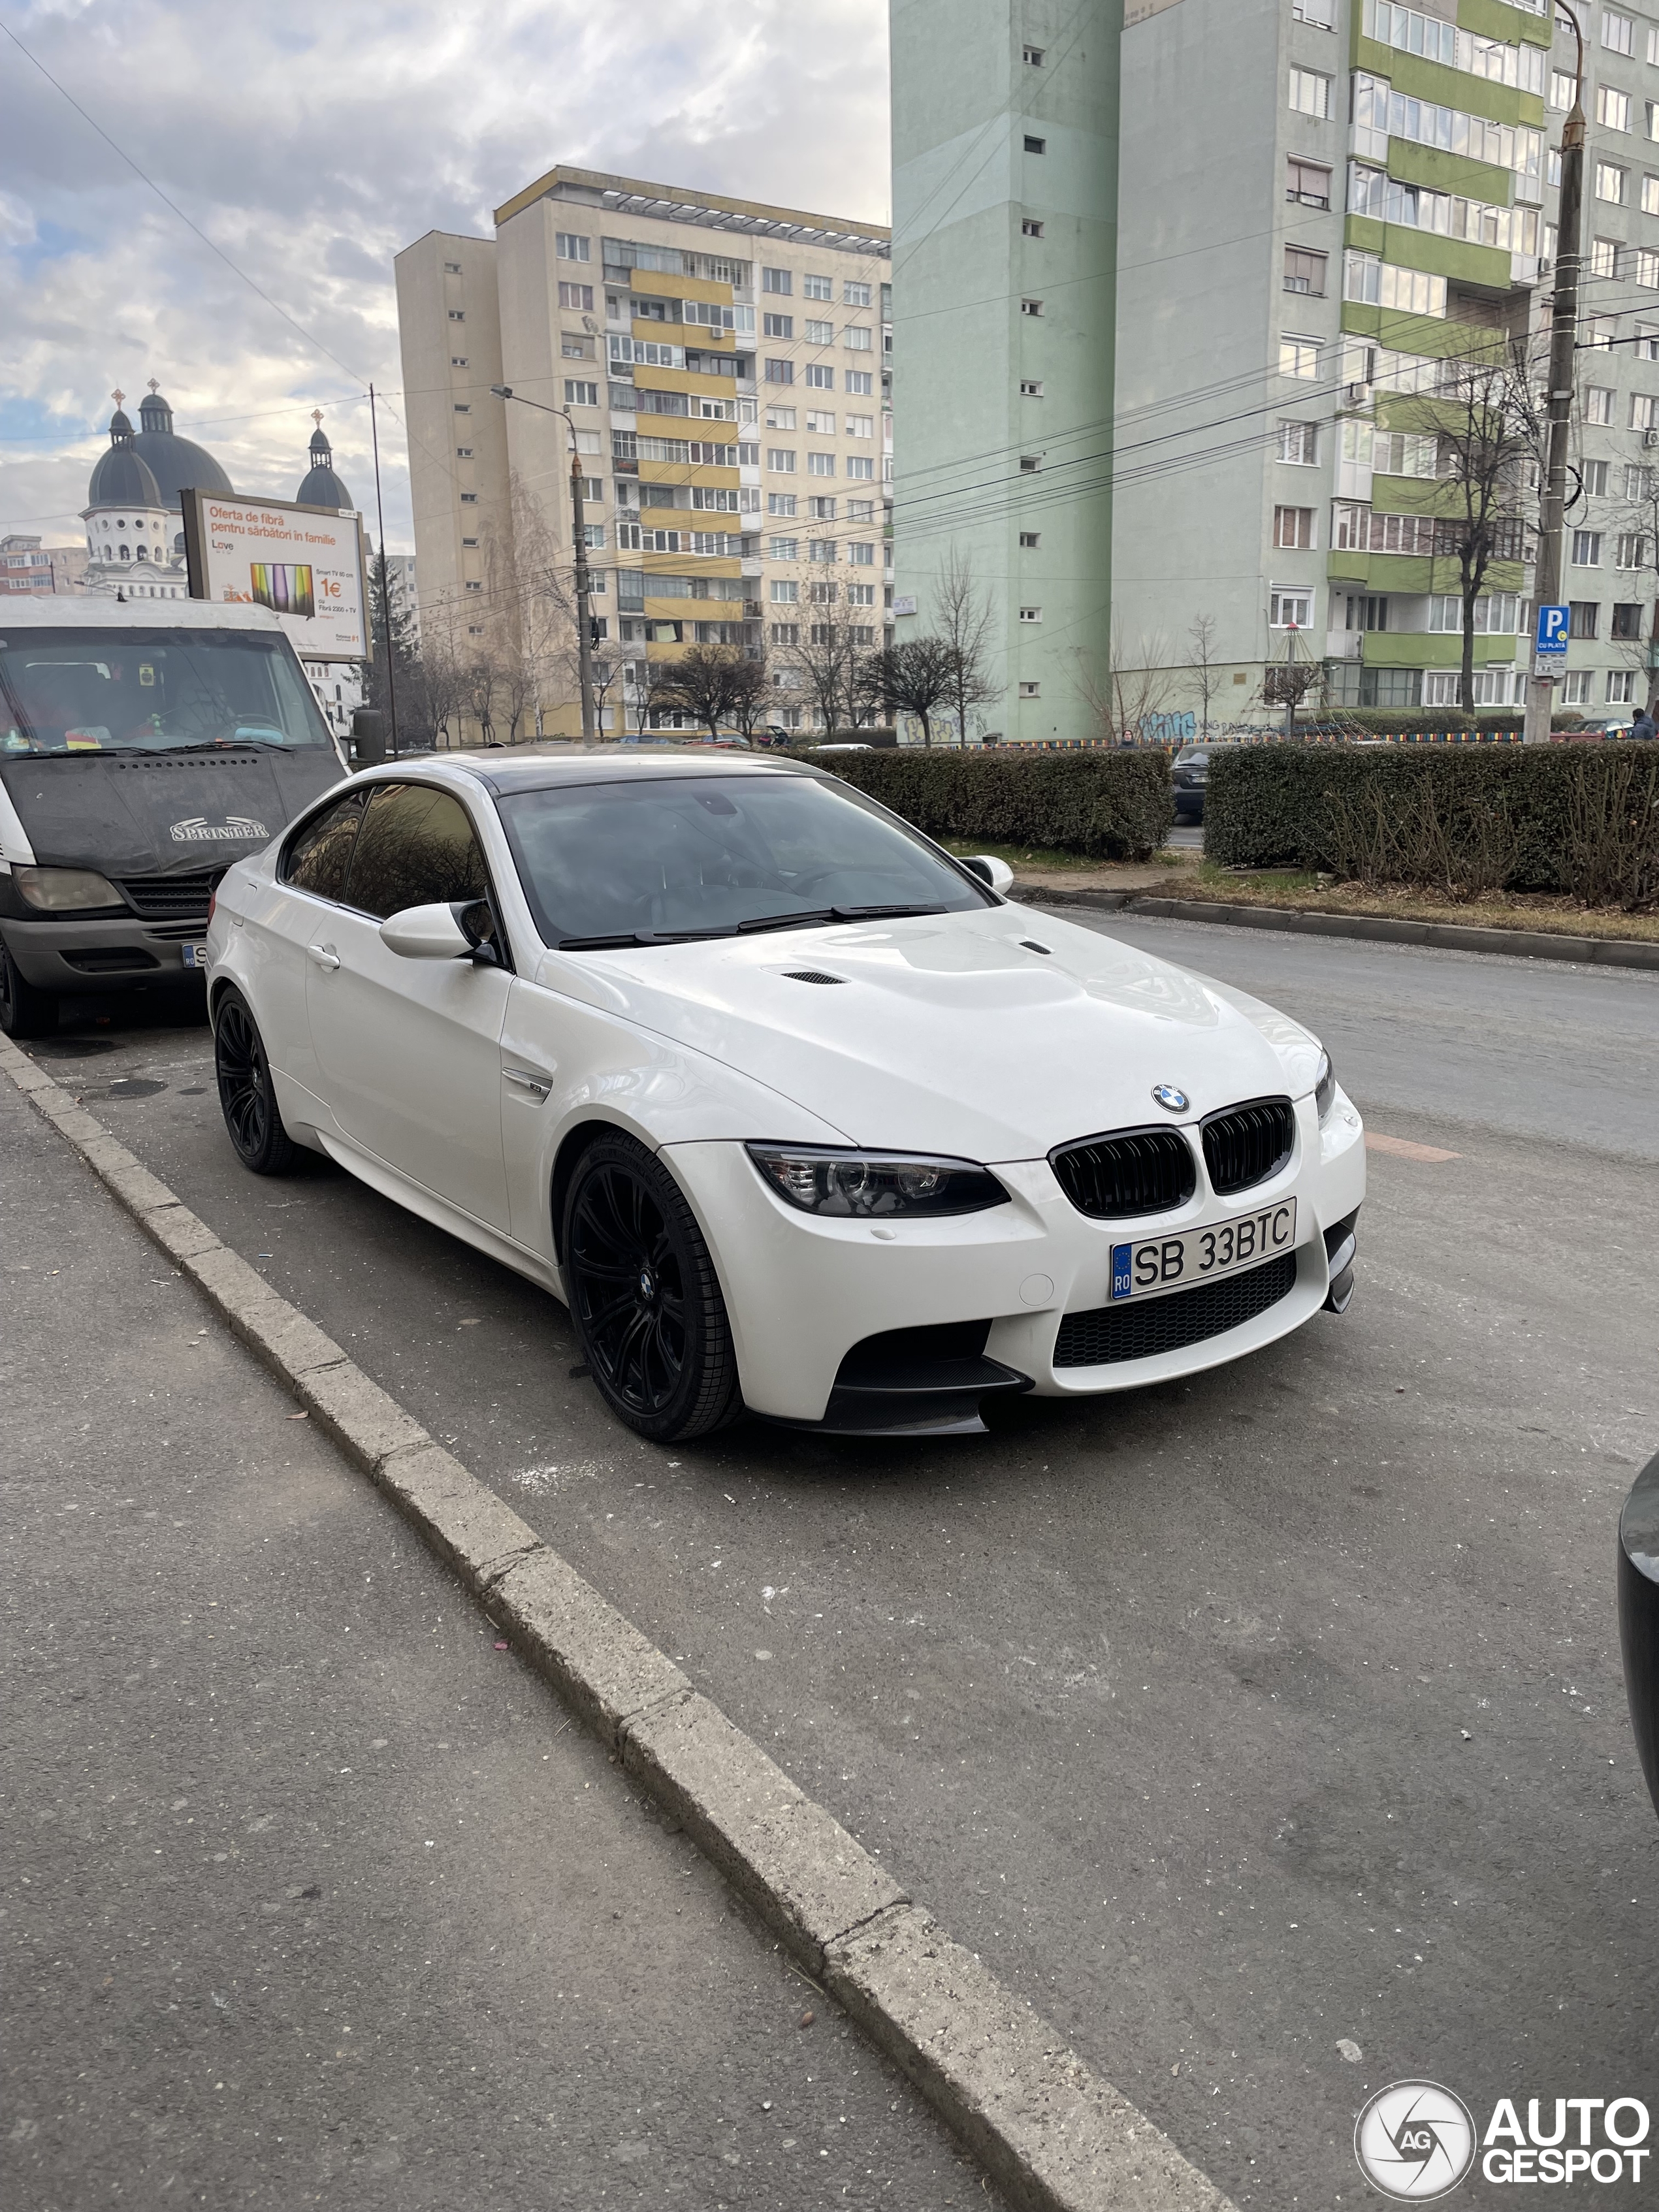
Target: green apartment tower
(1005, 243)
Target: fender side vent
(811, 975)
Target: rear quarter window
(318, 855)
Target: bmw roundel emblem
(1167, 1095)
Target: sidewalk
(311, 1895)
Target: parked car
(1189, 773)
(141, 751)
(792, 1109)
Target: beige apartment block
(723, 367)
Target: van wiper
(207, 745)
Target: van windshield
(131, 690)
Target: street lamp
(584, 601)
(1564, 338)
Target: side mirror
(367, 737)
(427, 932)
(1639, 1617)
(990, 870)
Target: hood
(949, 1035)
(132, 814)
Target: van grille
(1143, 1329)
(1247, 1144)
(166, 899)
(1133, 1171)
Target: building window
(780, 418)
(579, 392)
(786, 633)
(1630, 550)
(1618, 31)
(1627, 621)
(1564, 87)
(1611, 182)
(781, 460)
(1036, 145)
(1298, 357)
(1366, 611)
(1576, 690)
(818, 333)
(1621, 686)
(1299, 443)
(856, 338)
(1304, 271)
(1029, 540)
(780, 372)
(859, 426)
(1586, 549)
(1496, 614)
(1379, 283)
(1031, 690)
(860, 595)
(1294, 527)
(469, 499)
(457, 315)
(1030, 227)
(1289, 609)
(1034, 57)
(859, 383)
(462, 407)
(777, 326)
(1612, 108)
(1593, 475)
(786, 593)
(854, 294)
(572, 248)
(1030, 614)
(820, 376)
(1598, 404)
(777, 280)
(1030, 387)
(462, 453)
(452, 268)
(1603, 256)
(862, 555)
(475, 587)
(458, 360)
(1311, 93)
(783, 549)
(821, 551)
(861, 468)
(469, 541)
(579, 296)
(781, 503)
(1030, 306)
(820, 465)
(1584, 617)
(818, 288)
(1308, 183)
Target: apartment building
(723, 366)
(1005, 241)
(29, 565)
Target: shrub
(1109, 806)
(1457, 820)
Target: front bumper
(115, 955)
(802, 1291)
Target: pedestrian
(1645, 725)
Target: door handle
(325, 955)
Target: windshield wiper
(208, 745)
(806, 916)
(837, 914)
(636, 937)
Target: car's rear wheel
(25, 1011)
(247, 1097)
(644, 1296)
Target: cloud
(310, 148)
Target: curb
(1382, 928)
(1053, 2135)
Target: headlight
(57, 890)
(1325, 1088)
(819, 1179)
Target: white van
(142, 749)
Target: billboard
(305, 563)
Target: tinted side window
(320, 855)
(416, 847)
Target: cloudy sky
(309, 142)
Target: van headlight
(825, 1180)
(62, 890)
(1325, 1088)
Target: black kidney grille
(1136, 1171)
(1247, 1144)
(166, 897)
(1143, 1327)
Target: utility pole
(386, 580)
(1563, 339)
(584, 604)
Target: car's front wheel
(644, 1296)
(247, 1097)
(25, 1011)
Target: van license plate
(1220, 1248)
(196, 956)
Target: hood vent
(810, 975)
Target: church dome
(321, 487)
(178, 465)
(122, 477)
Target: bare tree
(703, 682)
(535, 615)
(1491, 429)
(442, 681)
(751, 693)
(962, 618)
(827, 661)
(606, 669)
(916, 677)
(480, 679)
(1131, 685)
(1206, 672)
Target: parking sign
(1553, 626)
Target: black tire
(25, 1011)
(644, 1296)
(247, 1097)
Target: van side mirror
(989, 870)
(367, 737)
(1639, 1617)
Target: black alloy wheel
(644, 1296)
(25, 1011)
(247, 1096)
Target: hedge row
(1461, 820)
(1110, 806)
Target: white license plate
(1199, 1256)
(196, 956)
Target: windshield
(1195, 756)
(705, 855)
(151, 691)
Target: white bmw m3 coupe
(794, 1111)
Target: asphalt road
(308, 1897)
(1266, 1731)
